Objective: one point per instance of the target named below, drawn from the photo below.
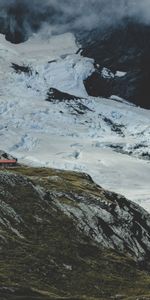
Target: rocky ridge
(64, 236)
(122, 48)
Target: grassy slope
(53, 256)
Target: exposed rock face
(125, 48)
(113, 222)
(55, 94)
(105, 217)
(4, 155)
(22, 69)
(59, 230)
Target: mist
(20, 18)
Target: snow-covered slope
(109, 139)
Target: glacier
(107, 138)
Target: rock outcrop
(124, 48)
(61, 234)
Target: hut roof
(8, 161)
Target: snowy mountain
(74, 100)
(107, 138)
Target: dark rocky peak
(121, 48)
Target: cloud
(19, 18)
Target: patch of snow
(120, 74)
(107, 74)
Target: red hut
(7, 163)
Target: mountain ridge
(44, 247)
